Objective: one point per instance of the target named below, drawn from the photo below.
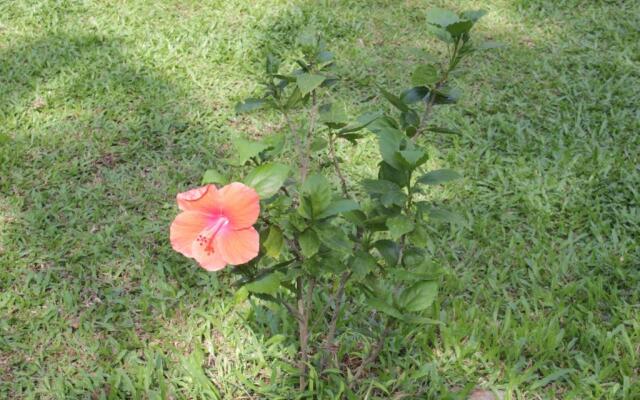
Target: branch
(304, 309)
(304, 166)
(336, 165)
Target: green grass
(109, 108)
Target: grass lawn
(109, 108)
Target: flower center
(206, 238)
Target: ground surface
(108, 108)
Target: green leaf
(447, 95)
(389, 141)
(414, 95)
(388, 192)
(339, 206)
(318, 144)
(441, 17)
(213, 176)
(440, 33)
(274, 243)
(424, 75)
(317, 193)
(363, 121)
(308, 82)
(356, 217)
(249, 105)
(393, 99)
(459, 28)
(335, 239)
(240, 295)
(362, 264)
(399, 225)
(294, 98)
(388, 173)
(268, 284)
(439, 176)
(309, 243)
(383, 124)
(473, 15)
(389, 250)
(267, 179)
(410, 119)
(413, 158)
(246, 149)
(384, 307)
(352, 137)
(419, 296)
(333, 115)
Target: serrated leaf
(441, 17)
(440, 33)
(389, 250)
(335, 239)
(389, 141)
(316, 193)
(318, 144)
(410, 119)
(265, 285)
(414, 94)
(363, 121)
(333, 115)
(339, 206)
(439, 176)
(424, 75)
(399, 225)
(384, 307)
(388, 173)
(213, 176)
(389, 192)
(249, 105)
(361, 264)
(413, 158)
(393, 99)
(473, 15)
(419, 296)
(274, 243)
(246, 149)
(309, 243)
(459, 28)
(267, 179)
(308, 82)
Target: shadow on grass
(97, 145)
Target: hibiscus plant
(321, 233)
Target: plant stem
(338, 300)
(432, 96)
(296, 137)
(304, 165)
(304, 310)
(336, 165)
